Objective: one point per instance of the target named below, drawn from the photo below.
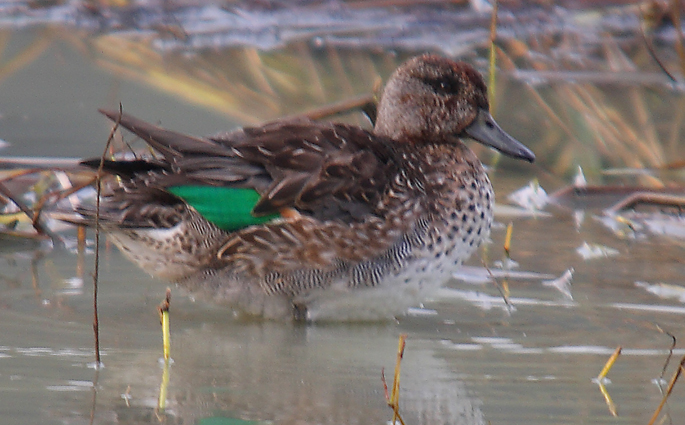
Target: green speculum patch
(228, 208)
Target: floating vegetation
(663, 290)
(531, 197)
(591, 251)
(562, 283)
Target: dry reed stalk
(96, 271)
(163, 390)
(583, 106)
(673, 140)
(674, 341)
(393, 398)
(57, 196)
(502, 288)
(633, 199)
(669, 389)
(508, 64)
(163, 310)
(607, 399)
(256, 71)
(492, 57)
(400, 3)
(339, 73)
(37, 225)
(507, 239)
(316, 86)
(647, 22)
(345, 106)
(13, 174)
(140, 64)
(612, 128)
(677, 24)
(26, 56)
(5, 36)
(646, 123)
(602, 375)
(610, 363)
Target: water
(468, 360)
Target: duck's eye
(442, 85)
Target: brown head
(432, 98)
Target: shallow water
(469, 359)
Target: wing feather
(327, 171)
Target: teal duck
(313, 220)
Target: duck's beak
(484, 129)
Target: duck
(312, 221)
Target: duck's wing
(326, 171)
(320, 168)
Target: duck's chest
(459, 222)
(458, 209)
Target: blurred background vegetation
(596, 85)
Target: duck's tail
(169, 143)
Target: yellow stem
(609, 363)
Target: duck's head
(433, 98)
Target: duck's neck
(442, 171)
(433, 160)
